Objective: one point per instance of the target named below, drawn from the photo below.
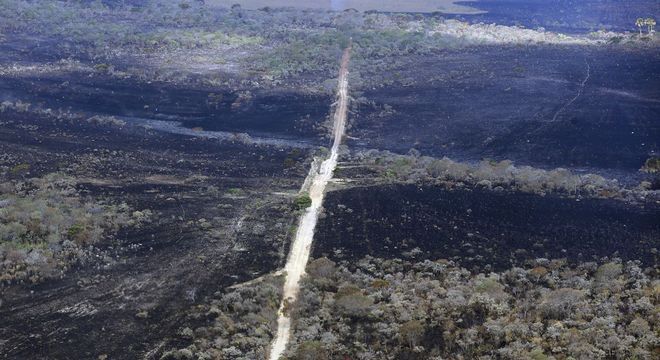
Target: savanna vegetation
(405, 309)
(48, 227)
(178, 41)
(236, 324)
(499, 176)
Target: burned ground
(514, 103)
(283, 114)
(222, 215)
(482, 230)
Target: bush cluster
(46, 227)
(303, 201)
(242, 322)
(437, 310)
(497, 175)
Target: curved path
(579, 92)
(299, 254)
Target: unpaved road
(299, 254)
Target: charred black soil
(284, 114)
(482, 230)
(222, 215)
(516, 103)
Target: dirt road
(299, 254)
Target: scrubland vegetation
(163, 40)
(406, 309)
(403, 309)
(499, 176)
(58, 115)
(47, 227)
(239, 323)
(269, 44)
(154, 25)
(386, 36)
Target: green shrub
(354, 305)
(75, 230)
(102, 67)
(20, 168)
(79, 234)
(652, 165)
(234, 191)
(322, 268)
(380, 284)
(303, 201)
(289, 162)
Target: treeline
(497, 175)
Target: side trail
(579, 92)
(300, 249)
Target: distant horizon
(424, 6)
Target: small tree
(561, 303)
(350, 301)
(322, 272)
(648, 22)
(650, 25)
(303, 201)
(411, 332)
(640, 23)
(322, 268)
(311, 350)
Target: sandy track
(299, 254)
